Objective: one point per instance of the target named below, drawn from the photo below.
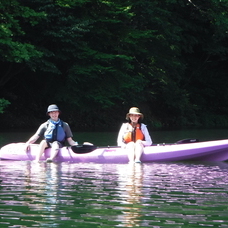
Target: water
(116, 195)
(110, 138)
(171, 194)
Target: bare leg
(130, 147)
(138, 150)
(43, 144)
(54, 151)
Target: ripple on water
(145, 195)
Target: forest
(95, 59)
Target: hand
(27, 147)
(139, 142)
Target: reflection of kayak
(198, 151)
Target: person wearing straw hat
(55, 133)
(134, 135)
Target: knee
(43, 143)
(55, 145)
(139, 142)
(130, 144)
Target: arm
(71, 141)
(148, 140)
(33, 139)
(30, 141)
(69, 134)
(120, 135)
(36, 136)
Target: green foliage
(96, 58)
(3, 104)
(13, 17)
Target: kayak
(197, 151)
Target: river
(110, 138)
(169, 194)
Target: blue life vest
(55, 131)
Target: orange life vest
(134, 135)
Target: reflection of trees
(131, 186)
(33, 186)
(51, 193)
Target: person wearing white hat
(55, 133)
(134, 135)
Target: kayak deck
(199, 151)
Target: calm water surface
(114, 195)
(110, 138)
(172, 194)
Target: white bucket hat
(52, 108)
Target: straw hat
(134, 110)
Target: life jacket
(55, 131)
(133, 134)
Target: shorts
(59, 143)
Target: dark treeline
(96, 59)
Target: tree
(96, 58)
(14, 49)
(3, 104)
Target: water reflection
(187, 193)
(43, 180)
(130, 179)
(114, 195)
(33, 187)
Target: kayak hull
(199, 151)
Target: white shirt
(124, 129)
